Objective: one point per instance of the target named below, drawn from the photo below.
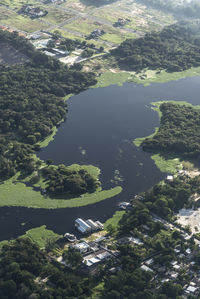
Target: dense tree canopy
(175, 48)
(31, 102)
(190, 9)
(63, 180)
(179, 131)
(23, 268)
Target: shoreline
(166, 163)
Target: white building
(94, 226)
(82, 247)
(82, 226)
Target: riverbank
(19, 195)
(118, 77)
(167, 163)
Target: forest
(179, 131)
(174, 49)
(62, 180)
(166, 199)
(28, 272)
(189, 9)
(32, 103)
(24, 269)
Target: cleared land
(10, 56)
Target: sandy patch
(113, 71)
(190, 217)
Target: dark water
(99, 130)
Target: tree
(72, 257)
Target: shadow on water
(99, 130)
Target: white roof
(188, 251)
(90, 222)
(135, 240)
(82, 223)
(103, 255)
(149, 262)
(82, 245)
(145, 268)
(191, 289)
(91, 261)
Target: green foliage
(72, 257)
(165, 198)
(62, 180)
(128, 284)
(23, 268)
(179, 131)
(190, 9)
(171, 290)
(42, 236)
(31, 103)
(176, 48)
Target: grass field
(16, 4)
(114, 220)
(41, 235)
(110, 78)
(167, 163)
(118, 77)
(82, 25)
(18, 194)
(20, 22)
(56, 16)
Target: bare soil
(11, 56)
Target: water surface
(100, 127)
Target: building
(82, 247)
(82, 226)
(88, 226)
(94, 226)
(101, 226)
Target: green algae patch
(138, 141)
(167, 164)
(146, 77)
(19, 195)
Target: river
(100, 127)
